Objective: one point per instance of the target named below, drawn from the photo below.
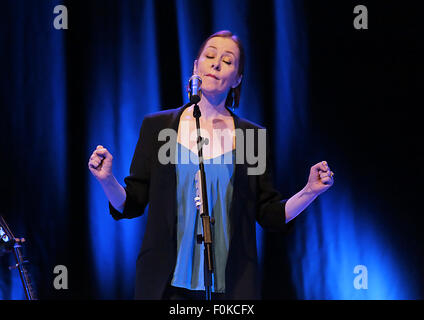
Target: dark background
(361, 113)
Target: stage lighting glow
(345, 256)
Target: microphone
(194, 89)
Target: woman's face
(218, 66)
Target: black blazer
(154, 184)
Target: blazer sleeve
(271, 204)
(138, 182)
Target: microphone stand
(9, 239)
(206, 238)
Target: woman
(170, 263)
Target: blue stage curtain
(33, 139)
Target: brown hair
(233, 97)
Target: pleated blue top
(189, 269)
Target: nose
(216, 65)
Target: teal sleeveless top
(189, 269)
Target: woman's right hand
(100, 164)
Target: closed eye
(225, 61)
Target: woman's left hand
(321, 178)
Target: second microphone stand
(206, 238)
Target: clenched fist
(320, 178)
(100, 163)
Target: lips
(212, 76)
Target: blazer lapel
(171, 174)
(239, 177)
